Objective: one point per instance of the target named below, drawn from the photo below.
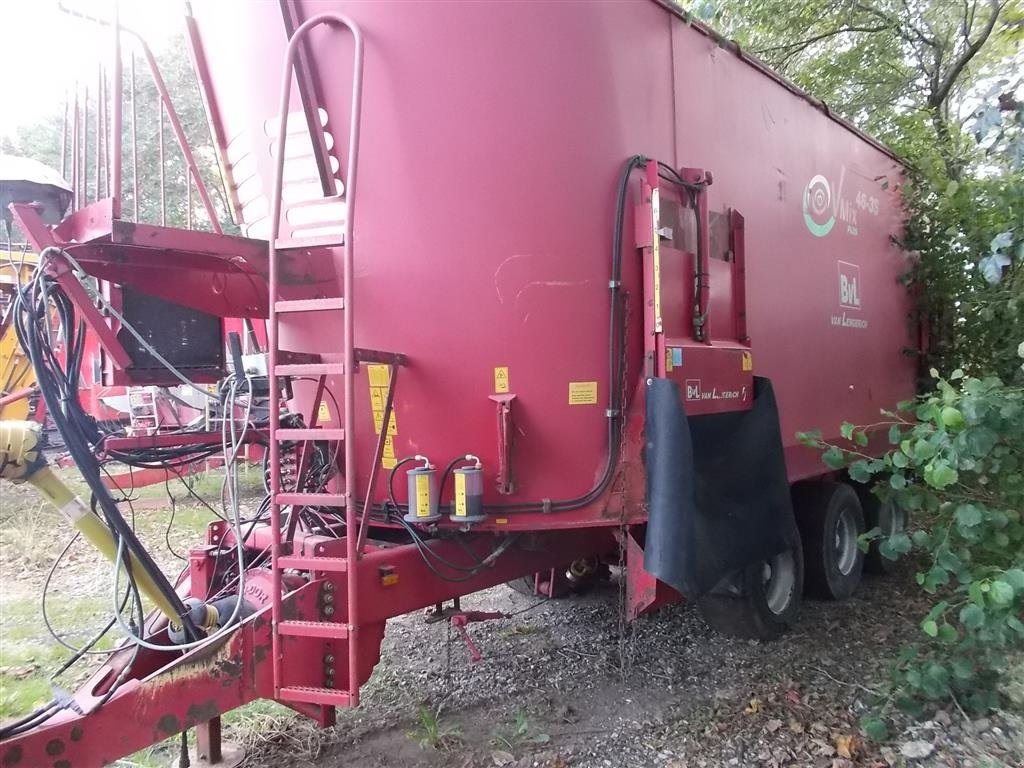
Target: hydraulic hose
(22, 460)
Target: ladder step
(305, 563)
(310, 695)
(310, 305)
(299, 243)
(310, 499)
(315, 433)
(310, 369)
(326, 629)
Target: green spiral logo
(818, 215)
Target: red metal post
(739, 273)
(163, 174)
(135, 146)
(64, 141)
(75, 195)
(99, 128)
(114, 147)
(84, 198)
(220, 141)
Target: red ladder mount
(335, 633)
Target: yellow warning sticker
(668, 359)
(501, 520)
(378, 421)
(378, 396)
(748, 361)
(423, 495)
(582, 393)
(323, 414)
(380, 380)
(501, 379)
(379, 375)
(460, 494)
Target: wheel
(888, 518)
(830, 519)
(762, 603)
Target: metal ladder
(343, 625)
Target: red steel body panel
(493, 136)
(486, 202)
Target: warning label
(501, 379)
(387, 458)
(582, 393)
(323, 414)
(380, 378)
(748, 362)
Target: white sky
(45, 49)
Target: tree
(887, 65)
(42, 141)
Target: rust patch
(200, 713)
(13, 756)
(54, 747)
(230, 668)
(77, 733)
(260, 652)
(168, 724)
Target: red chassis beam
(166, 692)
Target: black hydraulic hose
(64, 404)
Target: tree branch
(803, 44)
(944, 85)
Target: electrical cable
(59, 389)
(232, 442)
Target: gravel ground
(562, 683)
(552, 691)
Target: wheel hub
(779, 576)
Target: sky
(45, 49)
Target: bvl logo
(849, 285)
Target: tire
(888, 518)
(830, 519)
(764, 601)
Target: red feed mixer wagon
(550, 287)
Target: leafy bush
(956, 466)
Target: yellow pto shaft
(22, 461)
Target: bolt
(329, 672)
(328, 586)
(328, 610)
(329, 682)
(328, 598)
(328, 658)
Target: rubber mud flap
(717, 493)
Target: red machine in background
(615, 263)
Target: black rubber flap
(717, 494)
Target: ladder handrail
(303, 29)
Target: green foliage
(519, 734)
(967, 240)
(956, 466)
(432, 733)
(882, 64)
